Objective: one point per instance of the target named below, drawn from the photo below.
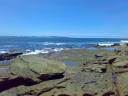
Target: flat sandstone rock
(34, 66)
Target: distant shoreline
(70, 37)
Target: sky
(71, 18)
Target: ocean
(37, 44)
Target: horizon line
(60, 36)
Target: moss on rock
(34, 66)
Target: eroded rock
(90, 67)
(36, 68)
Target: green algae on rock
(34, 66)
(105, 76)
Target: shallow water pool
(71, 63)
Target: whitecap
(124, 41)
(3, 52)
(51, 43)
(44, 51)
(58, 49)
(106, 44)
(35, 52)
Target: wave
(38, 45)
(46, 43)
(124, 41)
(1, 52)
(35, 52)
(106, 44)
(44, 51)
(51, 43)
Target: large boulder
(36, 68)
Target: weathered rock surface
(121, 64)
(36, 68)
(7, 94)
(94, 68)
(102, 75)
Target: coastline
(87, 71)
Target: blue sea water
(38, 43)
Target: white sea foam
(46, 50)
(58, 49)
(124, 41)
(50, 43)
(1, 52)
(60, 43)
(35, 52)
(106, 44)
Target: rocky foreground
(96, 73)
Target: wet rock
(36, 68)
(116, 44)
(9, 56)
(98, 56)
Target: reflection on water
(108, 49)
(71, 63)
(6, 62)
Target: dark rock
(98, 56)
(10, 83)
(9, 56)
(86, 94)
(111, 61)
(116, 44)
(46, 77)
(63, 95)
(110, 93)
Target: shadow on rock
(51, 77)
(63, 95)
(7, 84)
(87, 94)
(110, 93)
